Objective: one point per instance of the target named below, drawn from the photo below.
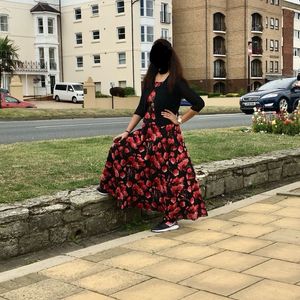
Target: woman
(150, 167)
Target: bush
(279, 123)
(232, 95)
(212, 95)
(99, 95)
(129, 91)
(117, 91)
(197, 90)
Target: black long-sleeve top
(165, 99)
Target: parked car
(68, 91)
(8, 101)
(279, 94)
(184, 102)
(4, 91)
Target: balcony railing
(256, 73)
(257, 27)
(257, 50)
(219, 26)
(31, 66)
(220, 51)
(220, 74)
(165, 17)
(53, 65)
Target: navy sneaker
(165, 226)
(101, 191)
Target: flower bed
(278, 123)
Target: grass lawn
(42, 114)
(41, 168)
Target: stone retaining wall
(46, 221)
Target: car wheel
(57, 98)
(74, 100)
(248, 111)
(282, 105)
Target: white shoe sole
(166, 229)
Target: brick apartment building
(213, 38)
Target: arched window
(257, 45)
(256, 68)
(219, 22)
(257, 22)
(219, 45)
(219, 69)
(219, 87)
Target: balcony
(165, 17)
(257, 28)
(257, 51)
(219, 52)
(219, 27)
(31, 67)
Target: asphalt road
(19, 131)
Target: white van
(68, 91)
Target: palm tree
(8, 57)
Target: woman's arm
(172, 117)
(133, 122)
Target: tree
(8, 57)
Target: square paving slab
(86, 295)
(219, 281)
(269, 290)
(154, 289)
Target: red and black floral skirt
(151, 169)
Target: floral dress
(151, 169)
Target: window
(122, 58)
(121, 33)
(165, 16)
(271, 45)
(97, 59)
(147, 34)
(40, 25)
(3, 23)
(165, 33)
(276, 2)
(271, 66)
(256, 68)
(272, 23)
(145, 59)
(266, 44)
(219, 22)
(297, 52)
(52, 59)
(219, 69)
(42, 57)
(120, 6)
(146, 8)
(95, 9)
(77, 13)
(78, 36)
(266, 66)
(276, 45)
(267, 22)
(96, 34)
(122, 83)
(98, 86)
(276, 67)
(276, 24)
(43, 81)
(50, 25)
(79, 61)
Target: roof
(41, 6)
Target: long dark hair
(175, 69)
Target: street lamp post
(132, 43)
(249, 66)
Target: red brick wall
(287, 46)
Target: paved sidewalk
(247, 250)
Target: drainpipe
(61, 45)
(206, 43)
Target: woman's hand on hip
(170, 115)
(121, 136)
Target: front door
(52, 83)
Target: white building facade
(108, 40)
